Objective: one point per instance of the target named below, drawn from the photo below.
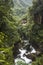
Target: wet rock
(33, 56)
(16, 49)
(30, 56)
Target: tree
(36, 32)
(6, 56)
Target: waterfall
(21, 56)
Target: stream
(21, 56)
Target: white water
(23, 51)
(24, 58)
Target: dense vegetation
(13, 32)
(36, 38)
(20, 7)
(8, 32)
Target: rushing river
(21, 56)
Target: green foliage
(12, 31)
(6, 56)
(7, 33)
(21, 63)
(35, 35)
(3, 40)
(5, 5)
(20, 8)
(36, 10)
(36, 31)
(39, 61)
